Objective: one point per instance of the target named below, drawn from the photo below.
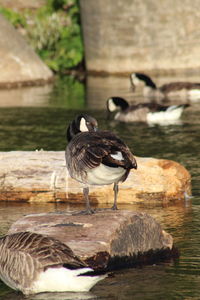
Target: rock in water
(105, 240)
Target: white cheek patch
(135, 80)
(117, 156)
(83, 126)
(112, 107)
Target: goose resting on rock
(182, 89)
(149, 112)
(96, 157)
(35, 263)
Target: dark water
(38, 118)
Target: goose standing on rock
(96, 157)
(182, 89)
(149, 112)
(35, 263)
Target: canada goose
(149, 112)
(185, 90)
(35, 263)
(96, 157)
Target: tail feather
(172, 113)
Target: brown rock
(41, 176)
(105, 239)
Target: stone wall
(123, 36)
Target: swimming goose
(149, 112)
(35, 263)
(96, 157)
(185, 90)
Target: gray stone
(19, 64)
(125, 36)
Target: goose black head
(116, 103)
(81, 123)
(137, 78)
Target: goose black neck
(72, 130)
(121, 102)
(148, 81)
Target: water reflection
(63, 92)
(99, 89)
(70, 93)
(30, 128)
(63, 296)
(26, 96)
(10, 295)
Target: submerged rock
(105, 240)
(42, 176)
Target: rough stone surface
(141, 35)
(41, 176)
(19, 64)
(22, 4)
(102, 237)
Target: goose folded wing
(91, 157)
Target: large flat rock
(42, 176)
(107, 239)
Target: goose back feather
(185, 90)
(27, 257)
(90, 149)
(151, 112)
(97, 158)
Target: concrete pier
(126, 36)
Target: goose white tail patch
(62, 280)
(104, 175)
(171, 114)
(135, 80)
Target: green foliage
(15, 18)
(54, 32)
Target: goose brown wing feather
(174, 86)
(91, 149)
(25, 254)
(43, 250)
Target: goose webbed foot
(88, 211)
(84, 212)
(114, 207)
